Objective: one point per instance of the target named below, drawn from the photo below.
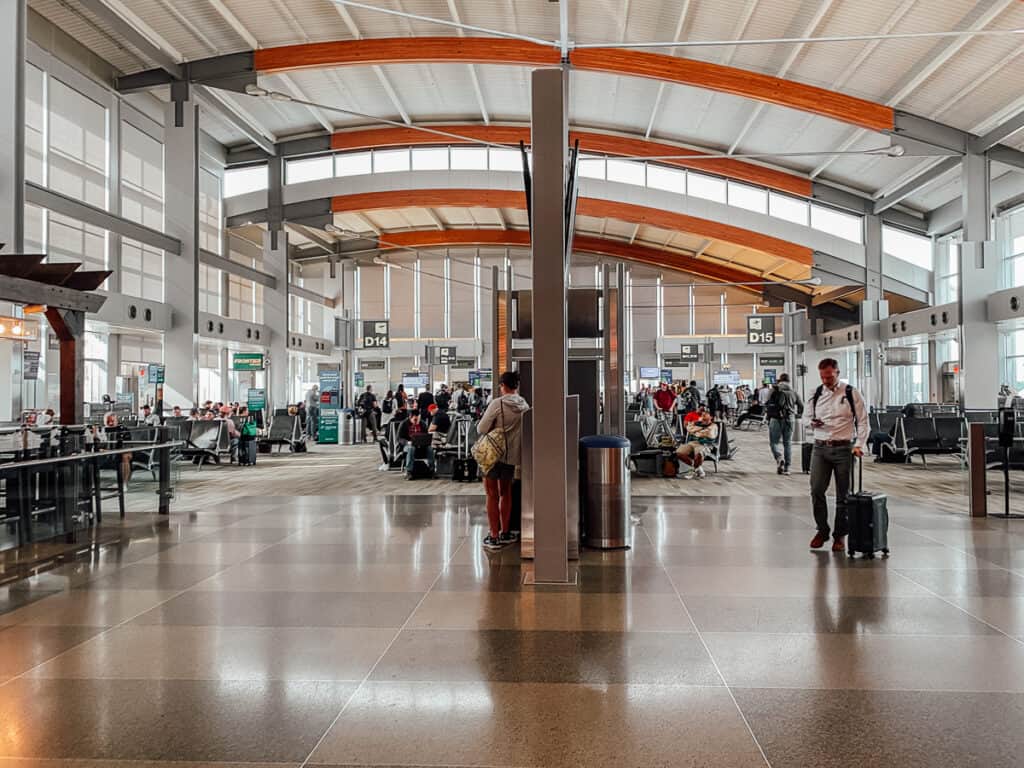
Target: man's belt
(832, 443)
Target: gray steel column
(275, 317)
(873, 310)
(181, 271)
(12, 125)
(979, 276)
(550, 88)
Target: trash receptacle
(606, 491)
(348, 427)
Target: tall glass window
(35, 124)
(77, 153)
(1011, 353)
(239, 181)
(209, 290)
(142, 177)
(1010, 233)
(209, 211)
(947, 268)
(72, 240)
(907, 246)
(142, 270)
(909, 383)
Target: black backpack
(388, 405)
(848, 397)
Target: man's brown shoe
(819, 540)
(839, 544)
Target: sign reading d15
(376, 334)
(760, 329)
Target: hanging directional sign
(761, 329)
(441, 355)
(376, 334)
(689, 353)
(772, 361)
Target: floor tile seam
(819, 688)
(110, 628)
(189, 679)
(380, 658)
(881, 635)
(946, 600)
(714, 663)
(963, 551)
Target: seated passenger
(700, 435)
(233, 433)
(440, 423)
(410, 429)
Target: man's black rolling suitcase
(806, 449)
(868, 519)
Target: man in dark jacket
(443, 399)
(424, 400)
(784, 408)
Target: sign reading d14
(760, 329)
(376, 334)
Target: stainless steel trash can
(605, 489)
(348, 427)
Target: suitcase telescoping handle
(859, 462)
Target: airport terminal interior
(507, 383)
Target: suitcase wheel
(852, 554)
(885, 552)
(869, 556)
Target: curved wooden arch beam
(586, 206)
(590, 244)
(613, 61)
(603, 143)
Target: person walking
(505, 412)
(784, 408)
(840, 422)
(367, 408)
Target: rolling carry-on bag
(465, 471)
(806, 449)
(868, 519)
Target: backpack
(691, 400)
(388, 405)
(848, 397)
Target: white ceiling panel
(690, 115)
(455, 217)
(506, 92)
(435, 91)
(615, 103)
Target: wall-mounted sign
(666, 375)
(156, 374)
(867, 364)
(415, 380)
(650, 373)
(689, 353)
(373, 365)
(376, 334)
(775, 361)
(247, 361)
(359, 379)
(674, 361)
(760, 329)
(770, 375)
(466, 363)
(31, 365)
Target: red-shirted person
(664, 400)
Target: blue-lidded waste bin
(605, 489)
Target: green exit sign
(245, 361)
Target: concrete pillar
(12, 125)
(614, 352)
(550, 89)
(275, 317)
(873, 310)
(181, 271)
(979, 276)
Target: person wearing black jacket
(367, 407)
(443, 399)
(424, 400)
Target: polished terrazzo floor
(345, 629)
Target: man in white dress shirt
(839, 419)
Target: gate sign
(774, 361)
(444, 355)
(376, 334)
(760, 329)
(689, 353)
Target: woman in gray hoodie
(505, 413)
